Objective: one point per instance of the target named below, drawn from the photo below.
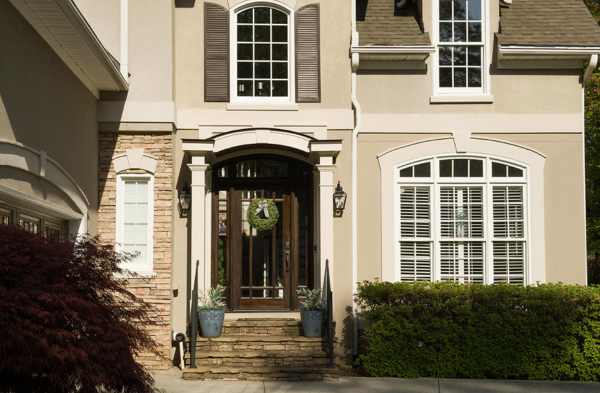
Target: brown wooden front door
(262, 269)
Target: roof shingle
(379, 22)
(548, 23)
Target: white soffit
(61, 25)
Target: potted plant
(211, 311)
(312, 312)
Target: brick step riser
(261, 362)
(263, 377)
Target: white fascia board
(88, 37)
(560, 52)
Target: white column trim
(326, 238)
(198, 221)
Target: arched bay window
(462, 219)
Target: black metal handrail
(329, 314)
(194, 319)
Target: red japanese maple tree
(67, 322)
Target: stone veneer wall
(155, 290)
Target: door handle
(287, 255)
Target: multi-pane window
(462, 220)
(262, 39)
(5, 216)
(134, 220)
(460, 44)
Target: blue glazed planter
(312, 323)
(211, 323)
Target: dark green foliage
(444, 330)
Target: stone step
(269, 373)
(261, 343)
(262, 327)
(260, 358)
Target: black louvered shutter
(308, 56)
(216, 53)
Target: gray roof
(548, 23)
(380, 22)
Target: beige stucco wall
(44, 106)
(514, 91)
(335, 63)
(104, 17)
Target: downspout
(586, 76)
(357, 125)
(590, 69)
(124, 63)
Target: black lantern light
(339, 201)
(185, 199)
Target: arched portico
(320, 154)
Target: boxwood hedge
(445, 330)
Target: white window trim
(462, 95)
(435, 183)
(234, 99)
(146, 267)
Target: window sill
(235, 106)
(462, 98)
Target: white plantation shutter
(415, 223)
(462, 261)
(415, 261)
(508, 216)
(135, 218)
(508, 211)
(415, 214)
(509, 262)
(462, 221)
(461, 207)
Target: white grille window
(263, 54)
(462, 220)
(134, 220)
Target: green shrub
(445, 330)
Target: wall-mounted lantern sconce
(339, 201)
(185, 200)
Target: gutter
(385, 50)
(569, 52)
(357, 126)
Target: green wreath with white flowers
(262, 214)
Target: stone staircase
(261, 350)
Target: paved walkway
(171, 382)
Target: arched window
(262, 53)
(461, 219)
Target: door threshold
(262, 314)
